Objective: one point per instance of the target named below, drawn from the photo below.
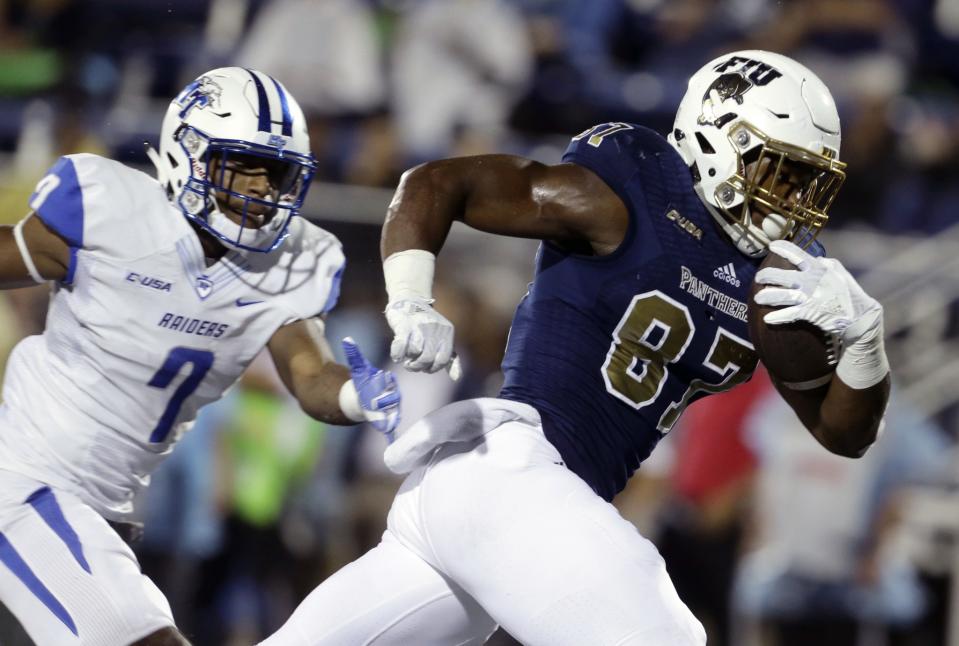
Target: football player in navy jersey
(638, 307)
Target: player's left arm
(845, 414)
(328, 391)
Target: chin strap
(233, 234)
(749, 241)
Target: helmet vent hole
(723, 120)
(704, 145)
(712, 172)
(173, 162)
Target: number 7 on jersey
(200, 362)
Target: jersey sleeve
(611, 150)
(82, 198)
(321, 255)
(334, 274)
(627, 157)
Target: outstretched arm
(500, 194)
(47, 251)
(328, 391)
(845, 414)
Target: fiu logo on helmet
(149, 281)
(752, 71)
(737, 76)
(200, 93)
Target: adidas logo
(727, 273)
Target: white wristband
(350, 402)
(863, 364)
(409, 274)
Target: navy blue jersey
(611, 349)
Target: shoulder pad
(95, 203)
(306, 270)
(616, 150)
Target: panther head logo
(730, 86)
(737, 75)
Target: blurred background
(770, 540)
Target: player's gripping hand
(819, 291)
(422, 337)
(822, 292)
(378, 395)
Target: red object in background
(712, 454)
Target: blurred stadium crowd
(770, 540)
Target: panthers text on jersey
(142, 333)
(611, 349)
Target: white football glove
(822, 292)
(423, 338)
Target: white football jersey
(141, 333)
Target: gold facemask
(805, 206)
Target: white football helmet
(233, 113)
(751, 113)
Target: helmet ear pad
(227, 112)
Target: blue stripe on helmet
(287, 119)
(45, 503)
(264, 123)
(12, 559)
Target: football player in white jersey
(153, 315)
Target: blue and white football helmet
(233, 113)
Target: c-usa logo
(201, 93)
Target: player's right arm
(506, 195)
(39, 245)
(502, 194)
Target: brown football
(798, 354)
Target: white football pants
(66, 575)
(498, 531)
